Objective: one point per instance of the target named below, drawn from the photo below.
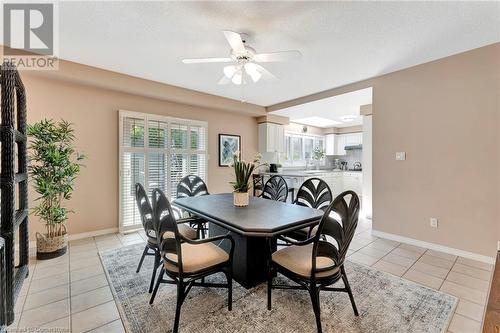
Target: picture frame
(229, 144)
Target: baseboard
(84, 235)
(435, 247)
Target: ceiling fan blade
(205, 60)
(278, 56)
(224, 80)
(265, 73)
(234, 39)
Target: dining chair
(185, 260)
(313, 193)
(317, 262)
(146, 213)
(275, 189)
(193, 186)
(258, 184)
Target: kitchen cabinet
(330, 144)
(271, 138)
(350, 139)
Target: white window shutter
(157, 152)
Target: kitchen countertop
(305, 173)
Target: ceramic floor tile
(382, 244)
(48, 282)
(46, 296)
(363, 259)
(59, 325)
(431, 269)
(398, 260)
(475, 264)
(82, 241)
(468, 281)
(113, 327)
(44, 272)
(390, 267)
(466, 293)
(435, 261)
(413, 248)
(84, 255)
(355, 246)
(82, 248)
(368, 235)
(107, 237)
(471, 310)
(424, 279)
(44, 314)
(461, 324)
(372, 252)
(81, 286)
(441, 255)
(52, 262)
(86, 272)
(406, 253)
(471, 271)
(94, 317)
(90, 299)
(361, 241)
(84, 262)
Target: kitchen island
(338, 180)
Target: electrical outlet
(498, 245)
(400, 156)
(434, 222)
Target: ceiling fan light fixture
(229, 71)
(253, 72)
(237, 77)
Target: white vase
(240, 199)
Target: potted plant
(53, 165)
(243, 171)
(318, 155)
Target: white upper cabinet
(330, 144)
(271, 138)
(350, 139)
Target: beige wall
(445, 115)
(94, 111)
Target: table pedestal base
(250, 257)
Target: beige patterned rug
(386, 303)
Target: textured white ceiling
(341, 42)
(331, 108)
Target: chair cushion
(184, 229)
(298, 259)
(197, 257)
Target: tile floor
(71, 293)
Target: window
(157, 152)
(299, 148)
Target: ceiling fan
(245, 60)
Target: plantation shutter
(157, 152)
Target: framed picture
(228, 146)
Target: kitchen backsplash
(352, 156)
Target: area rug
(385, 302)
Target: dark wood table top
(261, 218)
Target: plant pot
(51, 247)
(240, 199)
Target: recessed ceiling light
(317, 122)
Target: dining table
(254, 228)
